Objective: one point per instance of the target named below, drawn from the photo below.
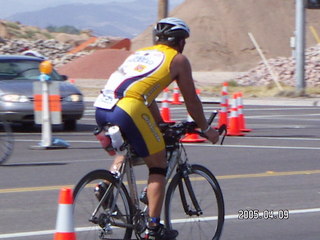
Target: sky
(10, 7)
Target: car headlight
(74, 98)
(14, 98)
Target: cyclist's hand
(212, 135)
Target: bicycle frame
(127, 168)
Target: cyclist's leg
(156, 190)
(146, 138)
(156, 182)
(104, 116)
(117, 162)
(148, 142)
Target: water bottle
(104, 140)
(116, 138)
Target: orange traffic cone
(234, 127)
(192, 137)
(225, 93)
(165, 110)
(198, 91)
(176, 96)
(223, 112)
(242, 121)
(64, 224)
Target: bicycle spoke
(107, 223)
(183, 209)
(6, 141)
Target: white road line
(283, 115)
(252, 146)
(281, 109)
(227, 217)
(211, 145)
(282, 138)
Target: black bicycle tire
(6, 141)
(105, 175)
(174, 185)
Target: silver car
(17, 74)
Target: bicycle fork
(185, 180)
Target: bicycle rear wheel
(194, 204)
(6, 141)
(107, 223)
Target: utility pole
(300, 47)
(163, 8)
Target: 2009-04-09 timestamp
(253, 214)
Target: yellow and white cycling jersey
(136, 83)
(143, 76)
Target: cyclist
(128, 100)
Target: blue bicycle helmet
(170, 29)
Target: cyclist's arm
(181, 71)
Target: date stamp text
(255, 214)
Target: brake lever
(212, 117)
(223, 130)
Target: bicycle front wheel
(6, 141)
(194, 204)
(111, 220)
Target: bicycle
(192, 196)
(6, 141)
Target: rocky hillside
(219, 39)
(16, 30)
(15, 38)
(284, 71)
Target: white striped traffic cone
(234, 127)
(165, 110)
(223, 111)
(176, 95)
(65, 224)
(242, 121)
(225, 93)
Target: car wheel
(70, 125)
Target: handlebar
(177, 130)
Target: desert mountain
(219, 31)
(118, 19)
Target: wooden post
(271, 71)
(162, 9)
(315, 34)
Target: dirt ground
(219, 46)
(219, 38)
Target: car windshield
(23, 70)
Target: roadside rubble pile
(52, 49)
(284, 69)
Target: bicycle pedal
(116, 213)
(106, 231)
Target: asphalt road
(274, 167)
